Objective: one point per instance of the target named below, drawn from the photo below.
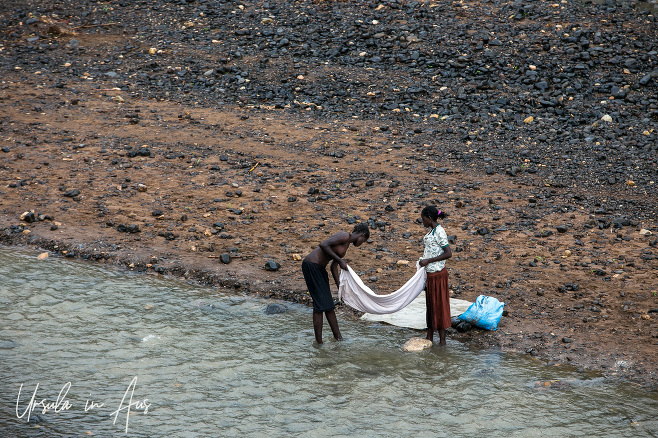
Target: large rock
(416, 345)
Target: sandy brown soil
(167, 186)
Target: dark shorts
(317, 282)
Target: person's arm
(337, 239)
(334, 273)
(447, 253)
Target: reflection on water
(208, 363)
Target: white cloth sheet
(356, 294)
(413, 316)
(403, 308)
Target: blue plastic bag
(485, 313)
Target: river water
(161, 358)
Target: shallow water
(207, 363)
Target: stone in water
(416, 345)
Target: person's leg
(317, 326)
(333, 323)
(442, 337)
(429, 310)
(430, 321)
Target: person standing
(314, 268)
(437, 295)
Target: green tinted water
(202, 363)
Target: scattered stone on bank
(29, 217)
(459, 325)
(141, 152)
(132, 228)
(416, 345)
(72, 193)
(569, 287)
(168, 235)
(225, 258)
(271, 265)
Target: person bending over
(314, 268)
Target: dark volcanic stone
(30, 217)
(72, 193)
(132, 228)
(464, 327)
(271, 265)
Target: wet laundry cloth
(408, 300)
(356, 294)
(414, 315)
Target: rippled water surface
(199, 362)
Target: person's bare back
(338, 244)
